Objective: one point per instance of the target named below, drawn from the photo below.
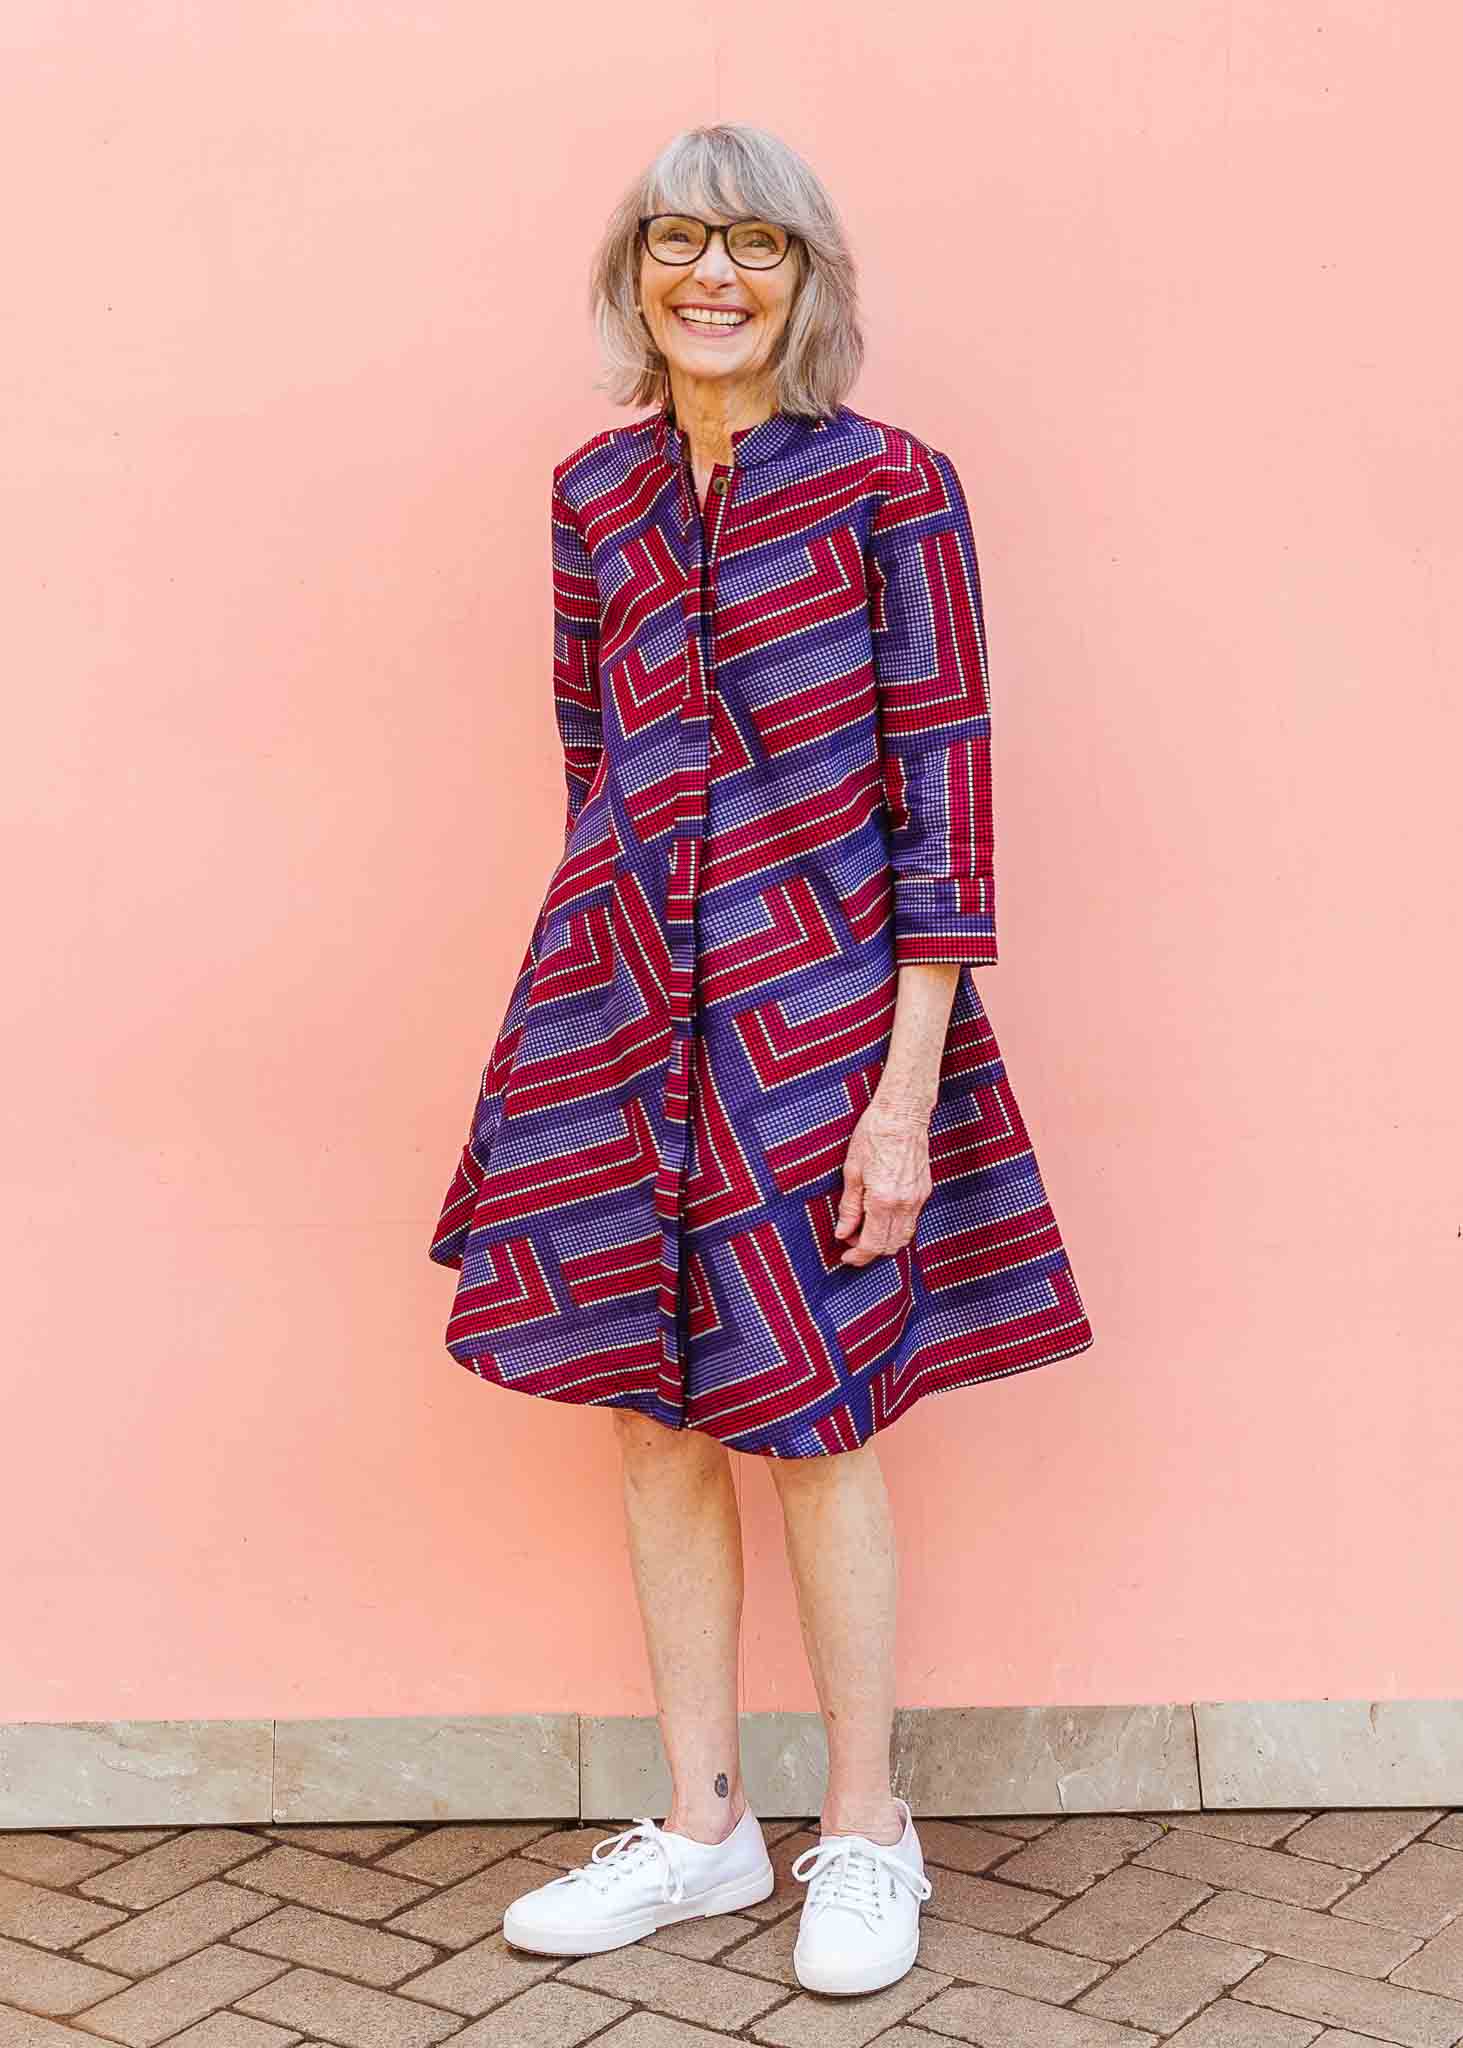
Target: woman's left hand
(886, 1182)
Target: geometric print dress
(775, 720)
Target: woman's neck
(709, 410)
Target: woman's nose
(713, 264)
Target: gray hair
(734, 170)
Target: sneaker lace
(847, 1870)
(617, 1855)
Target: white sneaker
(637, 1881)
(860, 1921)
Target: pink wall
(296, 306)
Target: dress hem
(655, 1411)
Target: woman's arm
(933, 693)
(928, 633)
(576, 654)
(886, 1173)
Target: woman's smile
(712, 323)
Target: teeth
(702, 319)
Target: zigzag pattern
(775, 723)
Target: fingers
(851, 1203)
(888, 1224)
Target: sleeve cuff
(944, 919)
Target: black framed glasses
(681, 238)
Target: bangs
(706, 173)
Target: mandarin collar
(750, 445)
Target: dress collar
(750, 445)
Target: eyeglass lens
(755, 244)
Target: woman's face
(717, 351)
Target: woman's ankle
(708, 1824)
(877, 1820)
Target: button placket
(687, 853)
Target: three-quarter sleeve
(576, 655)
(934, 709)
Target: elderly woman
(745, 1167)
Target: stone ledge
(1361, 1752)
(971, 1761)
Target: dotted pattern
(775, 719)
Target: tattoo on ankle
(722, 1787)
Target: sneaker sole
(722, 1898)
(847, 1983)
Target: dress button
(718, 483)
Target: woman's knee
(650, 1446)
(796, 1478)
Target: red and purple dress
(776, 729)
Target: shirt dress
(775, 720)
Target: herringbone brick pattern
(1213, 1930)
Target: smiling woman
(705, 309)
(727, 220)
(746, 1167)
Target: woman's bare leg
(840, 1545)
(685, 1538)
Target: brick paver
(957, 1846)
(56, 1860)
(1342, 2037)
(444, 1855)
(1174, 1978)
(164, 2004)
(564, 1848)
(808, 2021)
(368, 1954)
(54, 1920)
(1003, 1963)
(1069, 1858)
(162, 1873)
(1437, 1965)
(1419, 1891)
(547, 2016)
(1226, 2024)
(164, 1934)
(1361, 1840)
(237, 2030)
(706, 1939)
(912, 2037)
(28, 2030)
(465, 1912)
(1210, 1930)
(1001, 2019)
(481, 1977)
(1121, 1913)
(1415, 2019)
(768, 1953)
(788, 1893)
(676, 1985)
(998, 1907)
(654, 2030)
(1296, 1931)
(334, 1886)
(1269, 1873)
(352, 2014)
(1261, 1830)
(54, 1985)
(358, 1839)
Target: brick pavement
(1219, 1930)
